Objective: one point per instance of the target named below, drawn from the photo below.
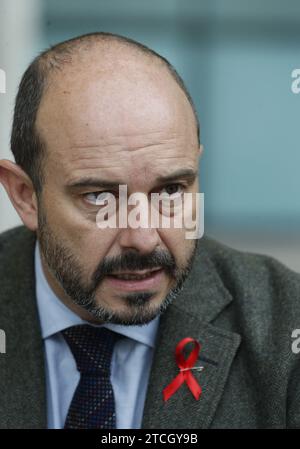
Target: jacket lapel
(22, 374)
(201, 300)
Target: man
(92, 316)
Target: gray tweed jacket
(241, 307)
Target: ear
(201, 149)
(21, 192)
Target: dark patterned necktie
(93, 404)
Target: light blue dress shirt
(130, 365)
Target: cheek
(96, 244)
(176, 243)
(78, 232)
(90, 246)
(66, 215)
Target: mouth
(129, 275)
(136, 280)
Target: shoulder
(265, 312)
(265, 293)
(244, 271)
(260, 285)
(16, 247)
(14, 235)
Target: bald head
(64, 77)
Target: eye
(173, 190)
(95, 197)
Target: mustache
(131, 261)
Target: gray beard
(66, 269)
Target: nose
(143, 240)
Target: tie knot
(92, 347)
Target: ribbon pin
(185, 367)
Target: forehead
(134, 120)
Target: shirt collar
(55, 316)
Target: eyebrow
(183, 173)
(186, 173)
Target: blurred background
(236, 57)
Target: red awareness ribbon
(185, 375)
